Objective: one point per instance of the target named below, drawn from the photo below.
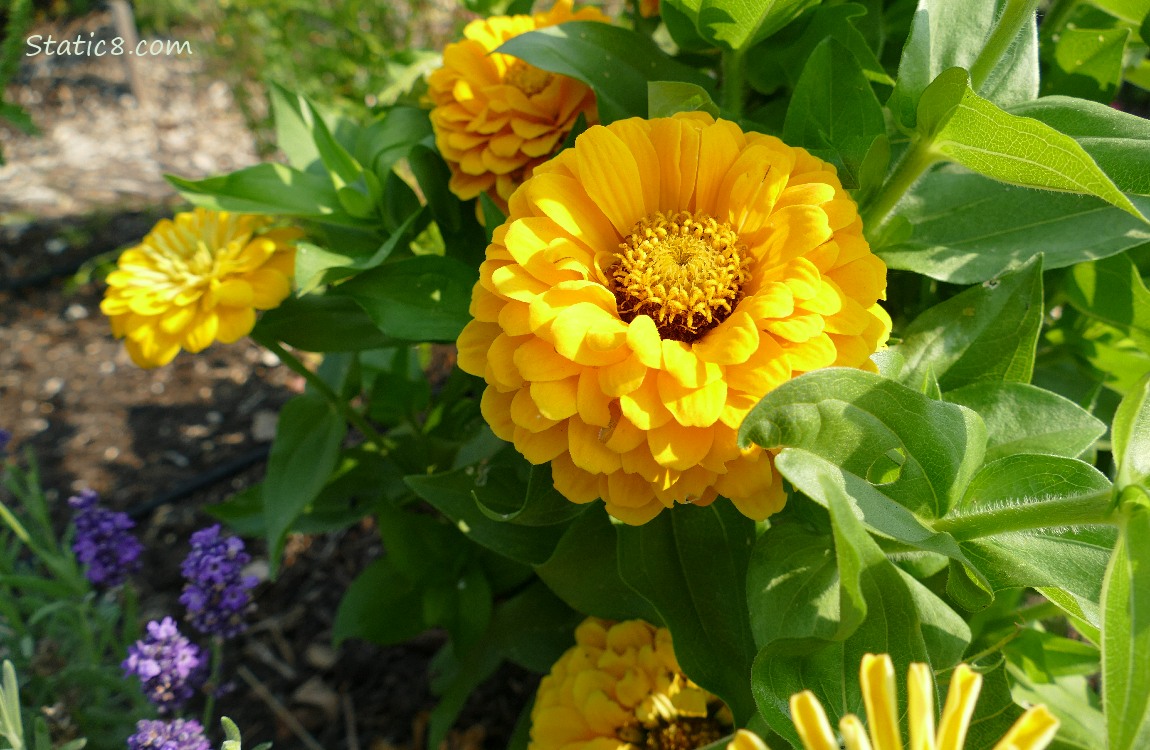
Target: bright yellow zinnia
(195, 279)
(1034, 730)
(620, 688)
(650, 285)
(496, 118)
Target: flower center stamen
(527, 78)
(686, 270)
(681, 733)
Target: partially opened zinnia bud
(195, 279)
(650, 285)
(620, 687)
(495, 116)
(1034, 730)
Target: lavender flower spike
(5, 438)
(174, 735)
(168, 665)
(103, 543)
(217, 594)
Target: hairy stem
(212, 685)
(914, 162)
(1013, 15)
(1092, 509)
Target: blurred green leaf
(1112, 290)
(1126, 634)
(1086, 63)
(988, 333)
(317, 266)
(381, 606)
(702, 597)
(424, 298)
(967, 229)
(303, 456)
(1130, 438)
(833, 112)
(1022, 418)
(616, 63)
(293, 136)
(665, 98)
(738, 26)
(321, 323)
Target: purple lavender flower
(168, 735)
(5, 438)
(217, 594)
(168, 665)
(103, 543)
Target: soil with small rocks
(153, 442)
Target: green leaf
(854, 419)
(737, 26)
(665, 98)
(269, 189)
(792, 585)
(292, 134)
(951, 33)
(303, 456)
(518, 492)
(1117, 141)
(1112, 290)
(321, 323)
(1086, 63)
(584, 571)
(344, 169)
(1126, 635)
(381, 606)
(691, 565)
(834, 110)
(452, 493)
(616, 63)
(424, 298)
(317, 266)
(384, 142)
(972, 131)
(988, 333)
(967, 229)
(1022, 418)
(1130, 438)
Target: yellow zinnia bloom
(1034, 730)
(620, 687)
(195, 279)
(650, 285)
(648, 8)
(496, 118)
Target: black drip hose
(208, 478)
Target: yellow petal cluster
(1034, 730)
(650, 285)
(620, 688)
(496, 118)
(197, 278)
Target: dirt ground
(164, 443)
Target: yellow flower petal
(876, 677)
(811, 722)
(1034, 730)
(960, 702)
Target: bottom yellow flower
(1034, 730)
(620, 687)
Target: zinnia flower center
(681, 733)
(527, 78)
(686, 270)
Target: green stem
(1092, 509)
(914, 162)
(213, 682)
(734, 84)
(1005, 31)
(316, 382)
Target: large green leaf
(1086, 63)
(865, 423)
(616, 63)
(1130, 438)
(303, 456)
(739, 25)
(965, 128)
(691, 565)
(381, 605)
(584, 571)
(1022, 418)
(988, 333)
(965, 228)
(951, 33)
(424, 298)
(833, 112)
(1112, 290)
(321, 323)
(1117, 141)
(1126, 635)
(792, 585)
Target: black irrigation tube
(44, 278)
(207, 479)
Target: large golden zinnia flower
(1034, 730)
(496, 117)
(195, 279)
(620, 688)
(650, 285)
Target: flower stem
(914, 162)
(316, 382)
(1013, 15)
(734, 84)
(1092, 509)
(212, 684)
